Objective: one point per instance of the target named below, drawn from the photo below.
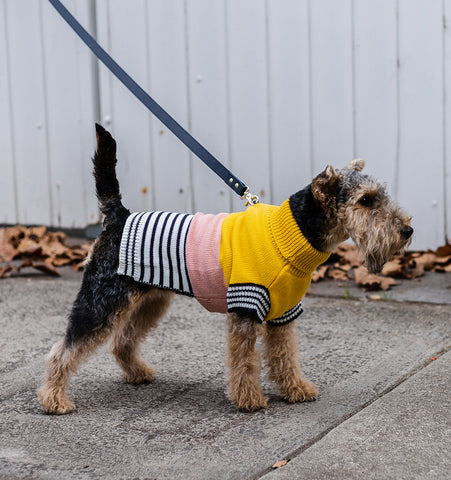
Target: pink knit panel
(202, 259)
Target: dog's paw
(142, 374)
(303, 391)
(55, 405)
(249, 399)
(251, 405)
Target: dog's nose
(407, 232)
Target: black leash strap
(234, 183)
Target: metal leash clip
(250, 198)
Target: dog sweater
(256, 262)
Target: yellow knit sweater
(267, 262)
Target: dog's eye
(366, 201)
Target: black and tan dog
(255, 265)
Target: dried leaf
(7, 249)
(392, 268)
(343, 266)
(46, 268)
(443, 260)
(27, 246)
(338, 274)
(280, 463)
(415, 270)
(52, 246)
(319, 273)
(6, 271)
(15, 235)
(444, 251)
(25, 263)
(371, 281)
(349, 255)
(426, 260)
(37, 232)
(77, 253)
(442, 268)
(59, 261)
(78, 267)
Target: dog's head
(357, 206)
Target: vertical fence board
(68, 117)
(28, 117)
(289, 91)
(447, 113)
(87, 114)
(376, 112)
(8, 206)
(332, 83)
(168, 83)
(248, 96)
(122, 30)
(421, 118)
(208, 99)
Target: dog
(254, 265)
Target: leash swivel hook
(250, 198)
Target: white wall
(275, 89)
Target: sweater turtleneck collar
(291, 242)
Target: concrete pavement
(383, 411)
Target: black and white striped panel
(153, 249)
(288, 316)
(249, 298)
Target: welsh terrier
(254, 265)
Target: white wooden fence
(276, 89)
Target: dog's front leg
(245, 389)
(282, 356)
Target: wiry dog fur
(338, 204)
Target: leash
(233, 182)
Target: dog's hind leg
(245, 389)
(143, 313)
(89, 326)
(281, 351)
(64, 359)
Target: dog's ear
(357, 164)
(324, 185)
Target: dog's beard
(375, 259)
(374, 262)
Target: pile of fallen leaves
(38, 248)
(345, 264)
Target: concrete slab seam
(319, 437)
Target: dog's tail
(107, 185)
